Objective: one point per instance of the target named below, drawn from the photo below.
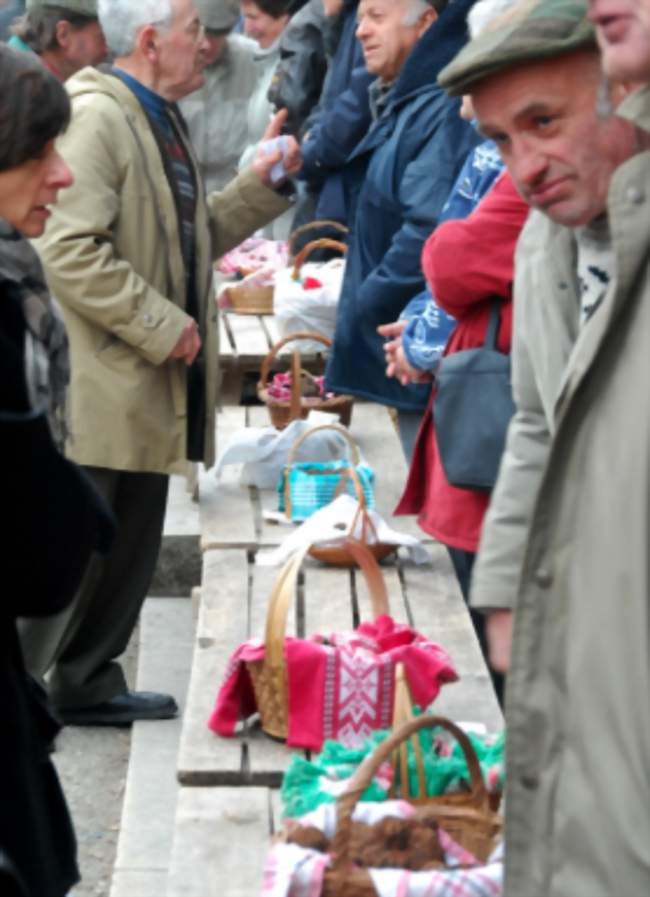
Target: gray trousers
(408, 424)
(79, 646)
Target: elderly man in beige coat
(128, 252)
(567, 535)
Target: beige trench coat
(567, 543)
(113, 259)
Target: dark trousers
(463, 563)
(79, 646)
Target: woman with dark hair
(57, 519)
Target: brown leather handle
(292, 337)
(284, 591)
(314, 225)
(306, 251)
(366, 772)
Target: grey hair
(484, 12)
(121, 20)
(417, 8)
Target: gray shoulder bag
(472, 409)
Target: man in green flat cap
(565, 541)
(66, 35)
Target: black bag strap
(493, 325)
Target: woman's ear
(62, 32)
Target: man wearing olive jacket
(128, 253)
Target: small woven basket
(336, 553)
(465, 816)
(282, 412)
(245, 300)
(269, 676)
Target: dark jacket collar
(435, 49)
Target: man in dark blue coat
(397, 181)
(341, 119)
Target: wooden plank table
(222, 828)
(232, 515)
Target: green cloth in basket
(313, 485)
(309, 783)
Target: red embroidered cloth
(340, 686)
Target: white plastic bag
(297, 309)
(264, 451)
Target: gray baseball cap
(531, 31)
(218, 15)
(82, 7)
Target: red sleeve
(470, 260)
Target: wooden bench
(222, 828)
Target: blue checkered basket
(307, 486)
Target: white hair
(484, 12)
(415, 10)
(121, 20)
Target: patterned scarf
(46, 350)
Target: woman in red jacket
(467, 264)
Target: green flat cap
(82, 7)
(532, 30)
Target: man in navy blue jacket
(397, 181)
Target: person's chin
(624, 63)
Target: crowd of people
(490, 161)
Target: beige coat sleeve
(240, 209)
(84, 270)
(497, 569)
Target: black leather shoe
(122, 710)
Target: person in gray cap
(565, 542)
(216, 115)
(66, 35)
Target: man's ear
(426, 20)
(63, 32)
(148, 42)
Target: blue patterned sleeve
(426, 333)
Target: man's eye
(543, 121)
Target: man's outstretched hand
(290, 158)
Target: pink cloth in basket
(340, 686)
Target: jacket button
(147, 318)
(634, 195)
(529, 782)
(543, 577)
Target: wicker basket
(310, 226)
(466, 816)
(245, 300)
(336, 553)
(269, 676)
(282, 412)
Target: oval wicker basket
(282, 411)
(319, 224)
(269, 676)
(336, 553)
(466, 816)
(245, 300)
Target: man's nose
(362, 29)
(529, 163)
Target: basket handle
(339, 429)
(348, 471)
(403, 713)
(314, 225)
(284, 590)
(365, 773)
(268, 360)
(306, 251)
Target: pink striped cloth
(340, 686)
(293, 871)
